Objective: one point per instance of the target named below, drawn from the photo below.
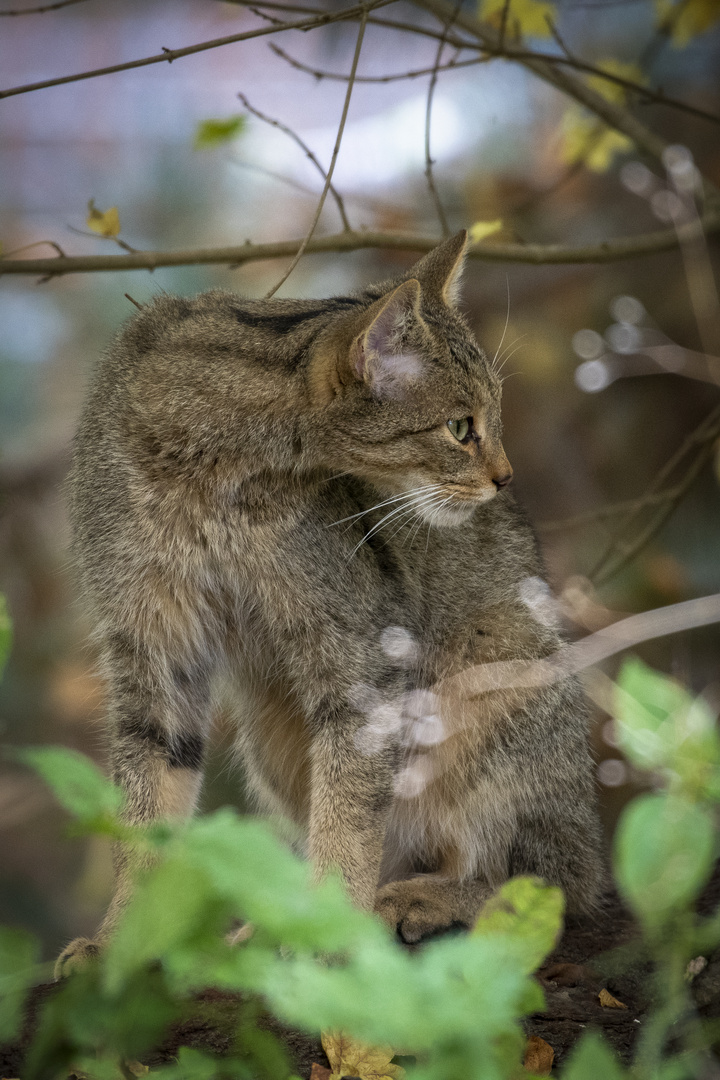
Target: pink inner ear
(359, 360)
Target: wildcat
(312, 497)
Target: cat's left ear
(440, 271)
(377, 359)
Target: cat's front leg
(351, 795)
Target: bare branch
(308, 153)
(645, 95)
(336, 151)
(603, 513)
(508, 675)
(534, 254)
(621, 549)
(551, 71)
(428, 119)
(41, 9)
(168, 55)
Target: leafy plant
(318, 964)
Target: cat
(311, 497)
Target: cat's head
(406, 399)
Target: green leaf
(530, 912)
(664, 852)
(212, 133)
(18, 956)
(77, 783)
(592, 1059)
(661, 727)
(5, 633)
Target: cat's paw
(74, 956)
(418, 908)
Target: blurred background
(593, 407)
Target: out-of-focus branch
(336, 150)
(505, 675)
(168, 55)
(41, 9)
(626, 543)
(551, 71)
(535, 254)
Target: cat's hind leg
(430, 904)
(159, 716)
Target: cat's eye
(460, 428)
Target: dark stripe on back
(281, 323)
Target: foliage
(319, 964)
(212, 133)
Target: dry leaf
(104, 222)
(350, 1057)
(136, 1068)
(539, 1056)
(481, 229)
(319, 1072)
(608, 1001)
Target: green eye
(460, 428)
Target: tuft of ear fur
(376, 356)
(440, 271)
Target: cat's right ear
(376, 356)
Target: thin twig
(40, 10)
(602, 513)
(336, 151)
(168, 55)
(621, 551)
(533, 254)
(308, 153)
(428, 119)
(645, 95)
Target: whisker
(398, 510)
(504, 357)
(507, 321)
(520, 346)
(385, 502)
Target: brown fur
(270, 491)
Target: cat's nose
(502, 481)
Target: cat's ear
(440, 271)
(376, 357)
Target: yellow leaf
(481, 229)
(687, 18)
(532, 17)
(589, 140)
(613, 91)
(136, 1068)
(608, 1001)
(104, 222)
(539, 1056)
(351, 1057)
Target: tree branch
(534, 254)
(308, 153)
(428, 119)
(336, 151)
(42, 9)
(168, 55)
(549, 70)
(645, 94)
(621, 550)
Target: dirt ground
(594, 953)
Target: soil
(595, 953)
